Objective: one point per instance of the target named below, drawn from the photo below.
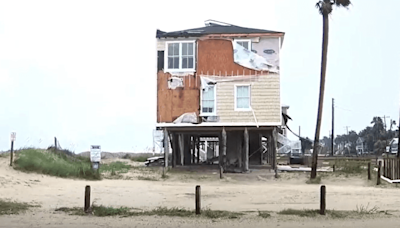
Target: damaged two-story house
(221, 84)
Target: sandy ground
(237, 192)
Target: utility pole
(384, 120)
(347, 141)
(398, 138)
(299, 131)
(333, 118)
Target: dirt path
(263, 193)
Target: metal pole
(398, 138)
(333, 119)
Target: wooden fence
(391, 168)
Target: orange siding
(216, 55)
(171, 103)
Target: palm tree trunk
(321, 93)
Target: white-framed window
(242, 98)
(208, 101)
(180, 56)
(244, 43)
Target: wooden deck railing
(391, 168)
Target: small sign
(95, 153)
(13, 136)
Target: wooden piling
(334, 168)
(224, 142)
(369, 170)
(12, 153)
(378, 177)
(198, 149)
(87, 199)
(246, 150)
(323, 200)
(166, 147)
(198, 202)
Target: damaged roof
(212, 28)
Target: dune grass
(11, 207)
(55, 164)
(64, 164)
(358, 212)
(344, 166)
(116, 167)
(140, 158)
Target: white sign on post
(13, 136)
(95, 153)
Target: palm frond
(325, 6)
(342, 3)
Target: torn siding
(251, 60)
(268, 48)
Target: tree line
(376, 138)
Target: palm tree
(325, 9)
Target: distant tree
(352, 138)
(368, 137)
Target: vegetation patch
(10, 207)
(140, 158)
(316, 180)
(264, 214)
(55, 164)
(359, 212)
(102, 211)
(147, 178)
(343, 166)
(115, 168)
(63, 163)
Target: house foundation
(235, 149)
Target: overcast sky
(85, 71)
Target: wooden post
(275, 147)
(378, 178)
(246, 150)
(384, 167)
(193, 149)
(224, 142)
(174, 149)
(221, 172)
(87, 199)
(55, 143)
(181, 148)
(323, 200)
(198, 149)
(369, 170)
(334, 168)
(262, 148)
(198, 202)
(166, 147)
(11, 153)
